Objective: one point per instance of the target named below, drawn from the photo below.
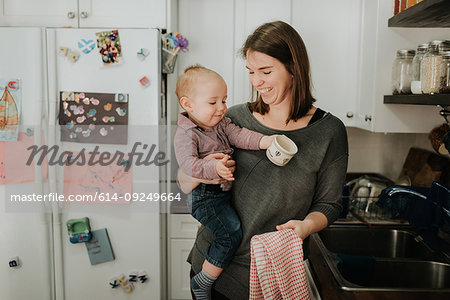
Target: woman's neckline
(248, 110)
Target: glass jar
(402, 72)
(416, 63)
(429, 71)
(444, 74)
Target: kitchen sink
(375, 241)
(382, 258)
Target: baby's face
(208, 101)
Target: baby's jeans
(212, 208)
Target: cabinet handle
(349, 115)
(71, 15)
(368, 118)
(84, 15)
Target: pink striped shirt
(192, 143)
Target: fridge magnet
(99, 247)
(143, 53)
(86, 133)
(121, 98)
(79, 230)
(73, 56)
(110, 119)
(63, 51)
(70, 124)
(123, 282)
(92, 113)
(94, 101)
(67, 96)
(86, 46)
(10, 103)
(14, 262)
(144, 81)
(121, 112)
(14, 84)
(110, 48)
(93, 109)
(133, 277)
(69, 53)
(103, 131)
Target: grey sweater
(265, 195)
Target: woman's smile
(265, 91)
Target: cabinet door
(179, 269)
(379, 44)
(118, 13)
(51, 13)
(208, 25)
(249, 14)
(331, 31)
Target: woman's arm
(188, 183)
(314, 222)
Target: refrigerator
(107, 241)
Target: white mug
(281, 150)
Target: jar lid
(422, 47)
(444, 46)
(446, 54)
(434, 42)
(405, 53)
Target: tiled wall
(381, 153)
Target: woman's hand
(299, 227)
(314, 222)
(188, 183)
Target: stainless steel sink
(382, 258)
(375, 241)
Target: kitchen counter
(328, 288)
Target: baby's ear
(186, 104)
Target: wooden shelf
(437, 99)
(428, 13)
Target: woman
(305, 194)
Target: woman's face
(269, 77)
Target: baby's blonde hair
(189, 78)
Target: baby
(202, 130)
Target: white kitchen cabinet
(182, 231)
(118, 13)
(331, 31)
(180, 269)
(333, 49)
(350, 47)
(51, 13)
(84, 13)
(379, 44)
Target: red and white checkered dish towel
(277, 270)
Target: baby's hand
(266, 140)
(222, 169)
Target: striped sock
(201, 285)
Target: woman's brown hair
(279, 40)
